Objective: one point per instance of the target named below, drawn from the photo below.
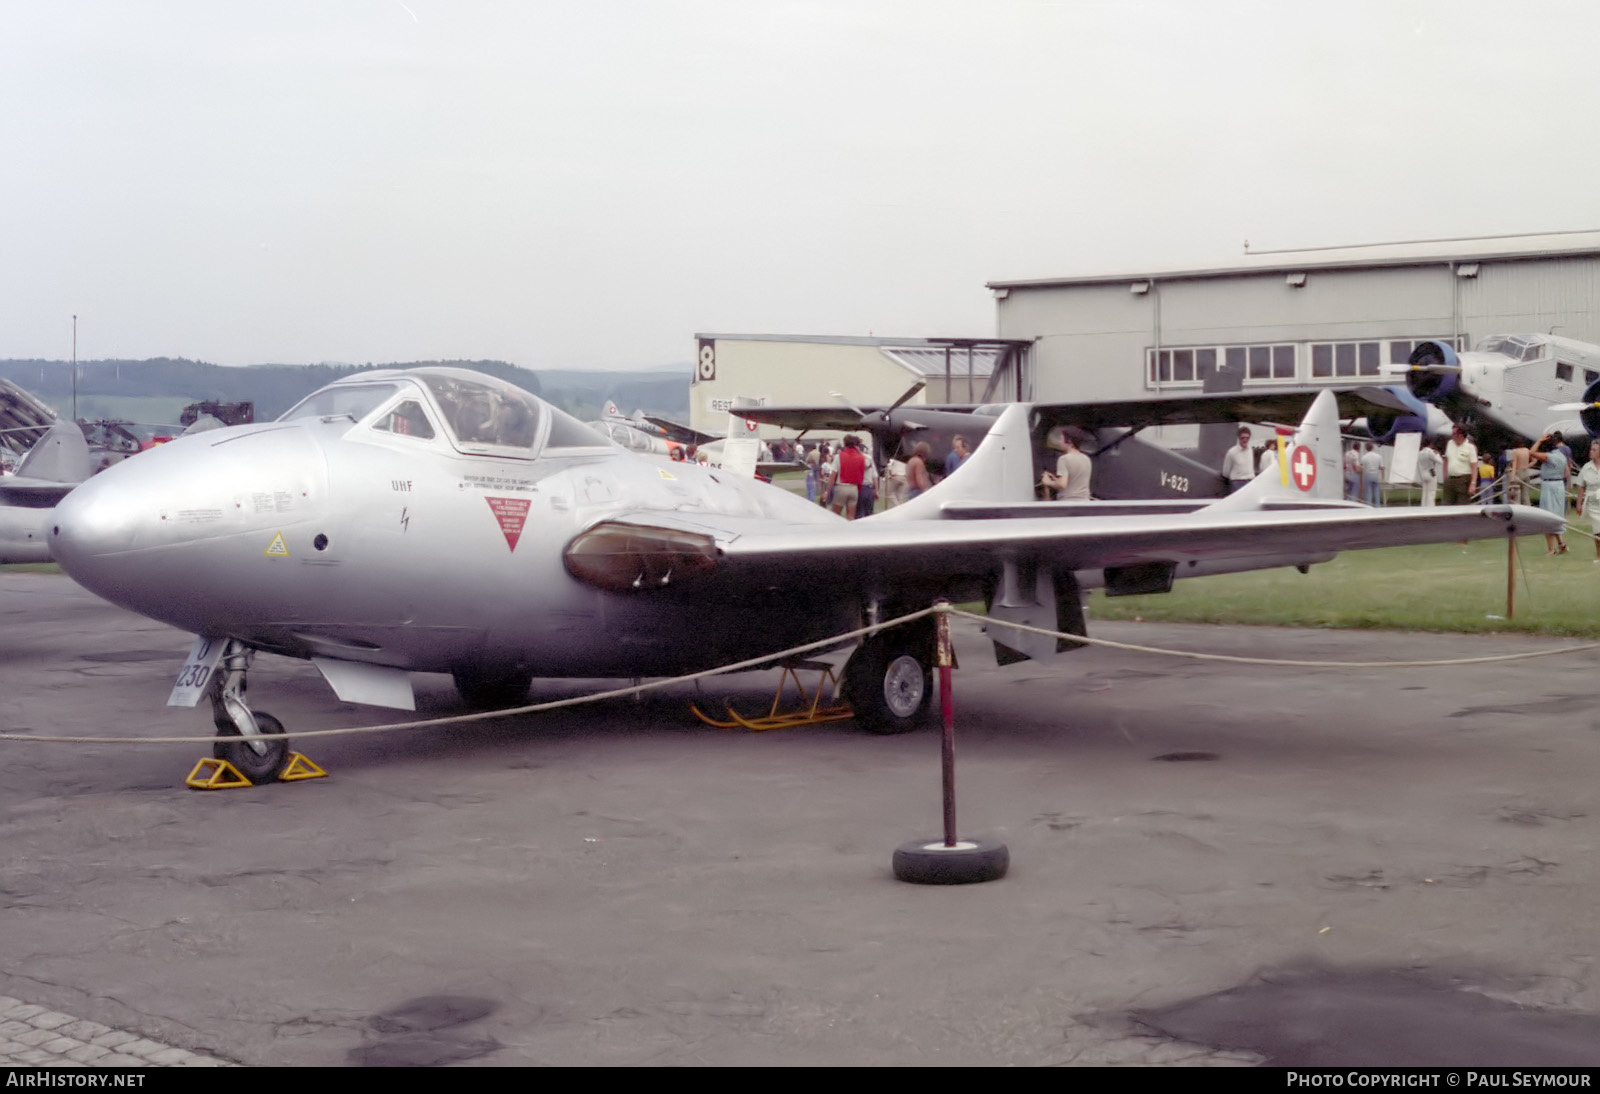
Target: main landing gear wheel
(486, 691)
(889, 678)
(930, 862)
(260, 758)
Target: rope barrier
(1107, 643)
(768, 660)
(485, 715)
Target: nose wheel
(257, 747)
(260, 756)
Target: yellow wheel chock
(213, 774)
(300, 767)
(210, 774)
(812, 712)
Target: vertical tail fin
(1308, 466)
(61, 455)
(1000, 469)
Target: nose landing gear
(261, 751)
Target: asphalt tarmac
(1210, 864)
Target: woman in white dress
(1588, 481)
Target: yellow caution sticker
(277, 548)
(668, 475)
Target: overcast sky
(590, 182)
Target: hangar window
(1172, 367)
(1322, 361)
(1191, 364)
(1283, 362)
(1270, 362)
(1331, 360)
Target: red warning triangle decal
(512, 513)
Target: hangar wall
(1331, 316)
(785, 372)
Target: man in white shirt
(1239, 465)
(1460, 467)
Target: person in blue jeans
(1372, 475)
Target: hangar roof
(1419, 252)
(919, 356)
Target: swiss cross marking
(1303, 467)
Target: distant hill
(158, 386)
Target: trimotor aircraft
(1127, 467)
(1502, 391)
(438, 520)
(56, 463)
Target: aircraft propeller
(883, 416)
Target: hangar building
(801, 370)
(1327, 315)
(1332, 315)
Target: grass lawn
(31, 568)
(1439, 587)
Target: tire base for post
(930, 862)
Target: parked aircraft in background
(657, 426)
(1512, 388)
(438, 520)
(52, 467)
(1126, 466)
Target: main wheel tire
(490, 692)
(258, 767)
(930, 862)
(889, 680)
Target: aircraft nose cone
(172, 532)
(93, 521)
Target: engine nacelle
(1435, 387)
(1591, 417)
(1383, 426)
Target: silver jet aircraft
(437, 520)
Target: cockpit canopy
(1516, 347)
(479, 414)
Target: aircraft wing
(1232, 406)
(32, 493)
(806, 417)
(877, 553)
(1283, 405)
(679, 432)
(961, 532)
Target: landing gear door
(1033, 595)
(196, 671)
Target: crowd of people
(1541, 474)
(844, 478)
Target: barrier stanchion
(951, 861)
